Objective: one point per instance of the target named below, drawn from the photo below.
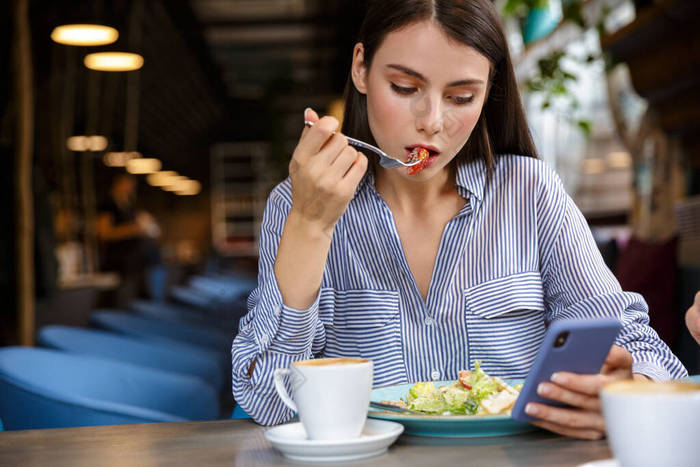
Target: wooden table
(241, 442)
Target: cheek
(464, 124)
(386, 113)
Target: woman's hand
(585, 420)
(325, 172)
(692, 318)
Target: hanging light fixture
(143, 165)
(174, 183)
(87, 143)
(119, 158)
(161, 178)
(113, 61)
(84, 34)
(188, 188)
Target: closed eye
(402, 90)
(463, 100)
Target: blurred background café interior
(139, 140)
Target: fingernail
(542, 389)
(531, 409)
(559, 379)
(306, 110)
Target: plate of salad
(474, 405)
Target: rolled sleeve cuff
(651, 370)
(284, 329)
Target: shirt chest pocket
(362, 323)
(505, 323)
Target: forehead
(425, 48)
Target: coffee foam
(651, 387)
(331, 361)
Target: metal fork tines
(392, 408)
(385, 160)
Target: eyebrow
(415, 74)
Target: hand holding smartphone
(576, 346)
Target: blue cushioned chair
(170, 312)
(43, 388)
(225, 289)
(194, 298)
(144, 327)
(176, 357)
(238, 412)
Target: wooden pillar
(24, 197)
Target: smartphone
(575, 345)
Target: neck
(410, 198)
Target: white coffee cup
(653, 424)
(331, 395)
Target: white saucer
(375, 439)
(602, 463)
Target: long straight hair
(502, 127)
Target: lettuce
(455, 398)
(424, 398)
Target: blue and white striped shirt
(517, 256)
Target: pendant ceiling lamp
(113, 61)
(84, 34)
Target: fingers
(619, 357)
(309, 116)
(332, 149)
(354, 174)
(567, 417)
(692, 318)
(618, 362)
(584, 384)
(571, 432)
(575, 399)
(314, 139)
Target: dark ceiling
(215, 70)
(277, 57)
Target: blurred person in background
(129, 243)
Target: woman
(467, 259)
(128, 238)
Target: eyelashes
(402, 90)
(459, 100)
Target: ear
(359, 69)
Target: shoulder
(526, 173)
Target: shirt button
(429, 321)
(264, 340)
(435, 375)
(277, 311)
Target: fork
(392, 408)
(385, 160)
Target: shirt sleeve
(578, 284)
(271, 334)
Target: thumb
(617, 359)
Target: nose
(428, 114)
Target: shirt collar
(471, 176)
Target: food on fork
(417, 154)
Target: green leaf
(585, 126)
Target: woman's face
(423, 89)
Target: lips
(432, 149)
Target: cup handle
(279, 376)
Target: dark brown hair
(502, 127)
